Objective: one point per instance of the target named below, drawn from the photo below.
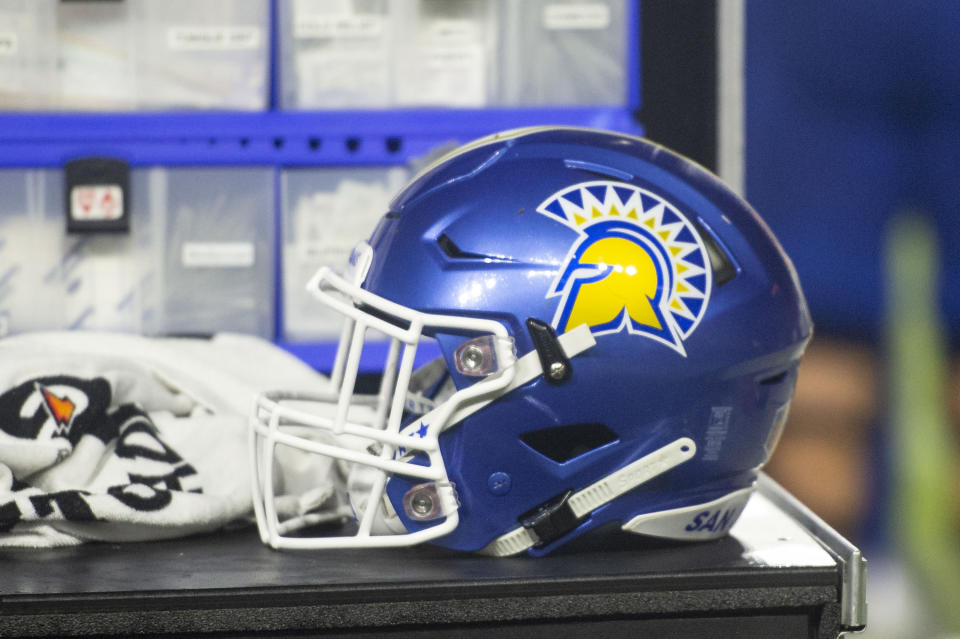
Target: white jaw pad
(699, 522)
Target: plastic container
(216, 257)
(198, 258)
(210, 54)
(96, 55)
(564, 52)
(445, 53)
(325, 213)
(134, 54)
(28, 62)
(359, 54)
(334, 54)
(364, 54)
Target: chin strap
(561, 516)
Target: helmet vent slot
(721, 263)
(773, 379)
(450, 249)
(563, 443)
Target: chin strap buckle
(551, 520)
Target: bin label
(225, 38)
(338, 26)
(217, 254)
(580, 15)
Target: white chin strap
(583, 502)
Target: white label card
(454, 32)
(580, 15)
(232, 38)
(338, 26)
(217, 254)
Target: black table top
(230, 582)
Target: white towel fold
(123, 438)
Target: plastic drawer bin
(468, 53)
(325, 213)
(447, 53)
(571, 52)
(134, 54)
(379, 54)
(198, 258)
(334, 54)
(28, 63)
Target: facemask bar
(371, 440)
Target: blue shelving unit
(274, 138)
(282, 139)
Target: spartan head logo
(636, 264)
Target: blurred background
(851, 154)
(183, 166)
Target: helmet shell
(471, 236)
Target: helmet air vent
(563, 443)
(721, 263)
(599, 169)
(773, 380)
(451, 250)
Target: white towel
(123, 438)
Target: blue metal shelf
(275, 138)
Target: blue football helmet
(617, 338)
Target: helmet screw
(471, 358)
(558, 370)
(499, 483)
(421, 504)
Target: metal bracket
(853, 565)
